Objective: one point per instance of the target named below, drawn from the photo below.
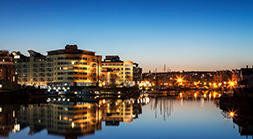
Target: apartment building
(73, 67)
(7, 69)
(64, 67)
(116, 72)
(30, 69)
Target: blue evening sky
(183, 34)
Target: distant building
(116, 72)
(169, 79)
(137, 73)
(245, 73)
(7, 69)
(246, 77)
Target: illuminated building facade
(73, 67)
(7, 69)
(116, 72)
(65, 67)
(30, 69)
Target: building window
(60, 78)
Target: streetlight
(180, 80)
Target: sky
(183, 34)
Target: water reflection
(162, 104)
(8, 121)
(72, 119)
(239, 108)
(69, 118)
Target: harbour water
(186, 115)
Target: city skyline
(184, 35)
(120, 69)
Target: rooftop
(115, 59)
(70, 49)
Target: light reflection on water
(186, 115)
